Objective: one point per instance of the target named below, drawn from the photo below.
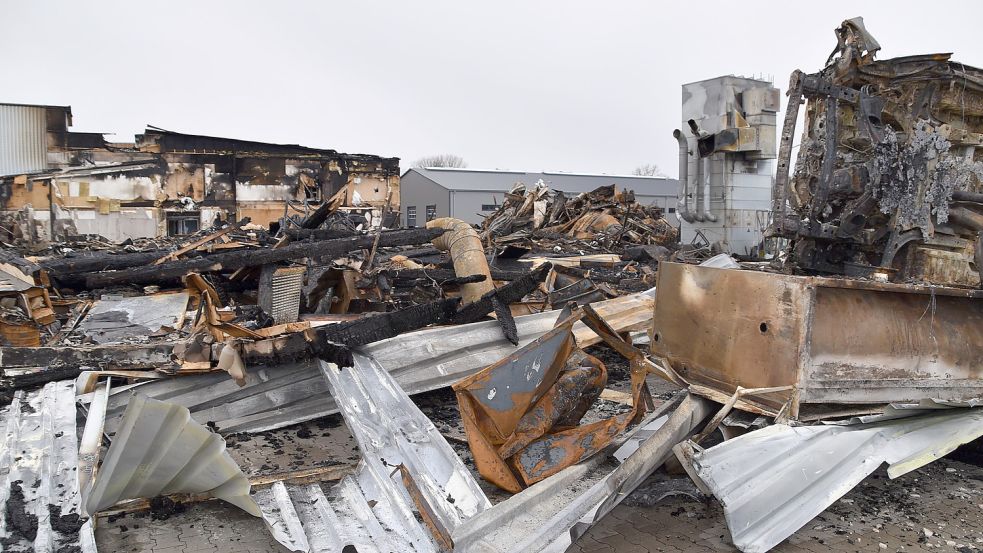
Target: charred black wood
(512, 292)
(387, 325)
(65, 362)
(37, 378)
(317, 234)
(333, 343)
(106, 356)
(9, 257)
(101, 261)
(584, 273)
(504, 316)
(253, 258)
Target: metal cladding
(773, 481)
(890, 166)
(522, 414)
(835, 340)
(159, 450)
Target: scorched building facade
(55, 183)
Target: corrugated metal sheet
(23, 139)
(374, 510)
(114, 319)
(39, 495)
(773, 481)
(159, 450)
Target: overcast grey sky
(558, 85)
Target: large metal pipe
(707, 213)
(965, 196)
(966, 218)
(682, 202)
(700, 215)
(464, 245)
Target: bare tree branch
(441, 160)
(648, 170)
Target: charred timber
(102, 261)
(317, 234)
(236, 260)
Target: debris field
(294, 372)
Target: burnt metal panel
(837, 341)
(39, 491)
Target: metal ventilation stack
(726, 146)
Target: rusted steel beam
(253, 258)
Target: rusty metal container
(845, 345)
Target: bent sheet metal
(773, 481)
(522, 414)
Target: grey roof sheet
(475, 179)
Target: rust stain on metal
(522, 414)
(836, 341)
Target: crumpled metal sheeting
(773, 481)
(373, 510)
(551, 514)
(159, 450)
(39, 495)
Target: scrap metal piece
(159, 450)
(551, 514)
(773, 481)
(522, 414)
(39, 492)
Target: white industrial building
(471, 194)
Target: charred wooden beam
(317, 234)
(333, 343)
(512, 292)
(90, 263)
(64, 362)
(444, 275)
(255, 258)
(9, 257)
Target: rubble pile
(603, 219)
(568, 349)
